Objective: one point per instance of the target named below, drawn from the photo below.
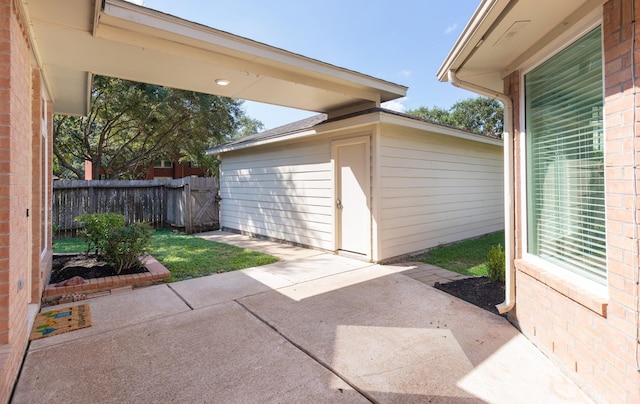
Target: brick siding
(21, 187)
(594, 340)
(178, 170)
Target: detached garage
(376, 183)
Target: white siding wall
(283, 192)
(436, 189)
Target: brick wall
(179, 170)
(595, 337)
(15, 191)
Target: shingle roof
(280, 131)
(309, 123)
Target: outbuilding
(375, 184)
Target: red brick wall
(15, 191)
(179, 170)
(595, 337)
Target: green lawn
(187, 256)
(466, 257)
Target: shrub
(118, 243)
(496, 263)
(96, 227)
(124, 244)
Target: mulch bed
(88, 267)
(479, 291)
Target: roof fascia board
(483, 18)
(136, 18)
(96, 16)
(35, 54)
(323, 128)
(441, 130)
(293, 136)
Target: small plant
(118, 243)
(54, 232)
(124, 244)
(496, 263)
(96, 227)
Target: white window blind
(565, 162)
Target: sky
(401, 41)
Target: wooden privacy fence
(190, 204)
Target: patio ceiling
(502, 34)
(77, 38)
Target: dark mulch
(480, 291)
(88, 267)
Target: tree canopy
(480, 115)
(131, 125)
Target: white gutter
(509, 206)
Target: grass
(188, 256)
(466, 257)
(69, 245)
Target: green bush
(496, 263)
(118, 243)
(96, 227)
(124, 244)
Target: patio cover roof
(77, 38)
(502, 34)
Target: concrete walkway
(313, 327)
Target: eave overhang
(503, 34)
(116, 38)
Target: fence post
(91, 202)
(165, 207)
(187, 206)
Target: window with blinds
(565, 161)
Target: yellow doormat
(56, 322)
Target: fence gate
(203, 211)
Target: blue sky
(403, 41)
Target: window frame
(161, 163)
(555, 47)
(45, 166)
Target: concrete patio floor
(313, 327)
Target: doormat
(56, 322)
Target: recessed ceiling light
(222, 82)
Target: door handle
(339, 204)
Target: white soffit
(136, 43)
(503, 33)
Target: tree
(248, 126)
(131, 125)
(481, 115)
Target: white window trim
(590, 22)
(44, 128)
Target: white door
(352, 196)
